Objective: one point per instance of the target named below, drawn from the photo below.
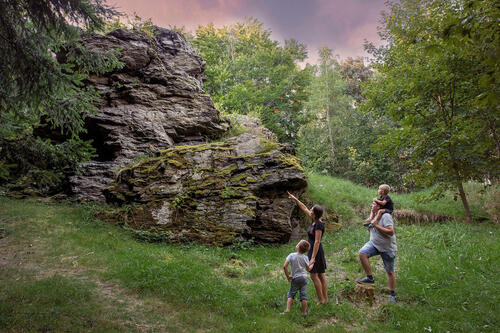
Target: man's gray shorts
(389, 258)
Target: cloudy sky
(342, 25)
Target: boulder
(154, 102)
(215, 194)
(154, 162)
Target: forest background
(422, 112)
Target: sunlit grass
(345, 198)
(447, 276)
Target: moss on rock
(208, 194)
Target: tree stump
(364, 292)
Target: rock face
(153, 160)
(154, 102)
(213, 193)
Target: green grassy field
(62, 270)
(346, 198)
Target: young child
(380, 205)
(299, 265)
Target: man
(382, 242)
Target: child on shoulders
(380, 205)
(299, 266)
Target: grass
(64, 271)
(55, 303)
(347, 198)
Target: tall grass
(346, 198)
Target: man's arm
(285, 268)
(389, 230)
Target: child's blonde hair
(304, 246)
(385, 187)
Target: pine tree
(32, 82)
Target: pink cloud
(188, 13)
(339, 24)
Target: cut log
(364, 293)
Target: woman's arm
(301, 205)
(317, 242)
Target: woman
(316, 254)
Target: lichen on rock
(223, 193)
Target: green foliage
(42, 72)
(37, 163)
(267, 145)
(248, 73)
(153, 235)
(428, 82)
(236, 128)
(180, 200)
(134, 22)
(348, 199)
(477, 28)
(338, 138)
(33, 82)
(491, 202)
(354, 72)
(227, 193)
(243, 245)
(327, 104)
(55, 303)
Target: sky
(342, 25)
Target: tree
(477, 27)
(327, 108)
(249, 73)
(428, 83)
(338, 137)
(32, 82)
(36, 86)
(354, 72)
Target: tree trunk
(330, 131)
(464, 201)
(494, 134)
(449, 119)
(460, 187)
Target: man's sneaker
(392, 299)
(365, 280)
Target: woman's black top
(320, 263)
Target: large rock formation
(213, 193)
(154, 102)
(150, 134)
